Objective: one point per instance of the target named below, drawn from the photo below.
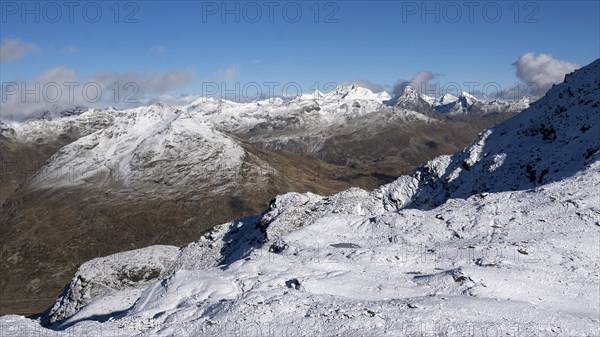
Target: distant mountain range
(463, 105)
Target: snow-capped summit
(315, 96)
(446, 99)
(429, 99)
(411, 100)
(355, 92)
(445, 103)
(410, 93)
(463, 104)
(467, 98)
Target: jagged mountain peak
(410, 92)
(465, 102)
(411, 99)
(447, 98)
(467, 95)
(467, 98)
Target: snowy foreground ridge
(501, 239)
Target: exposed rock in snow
(107, 276)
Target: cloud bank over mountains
(15, 49)
(61, 87)
(543, 70)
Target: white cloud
(69, 49)
(175, 100)
(542, 70)
(62, 88)
(229, 73)
(14, 49)
(419, 81)
(158, 83)
(374, 87)
(57, 75)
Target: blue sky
(183, 44)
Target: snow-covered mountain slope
(522, 262)
(512, 247)
(146, 146)
(429, 99)
(500, 106)
(66, 125)
(57, 113)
